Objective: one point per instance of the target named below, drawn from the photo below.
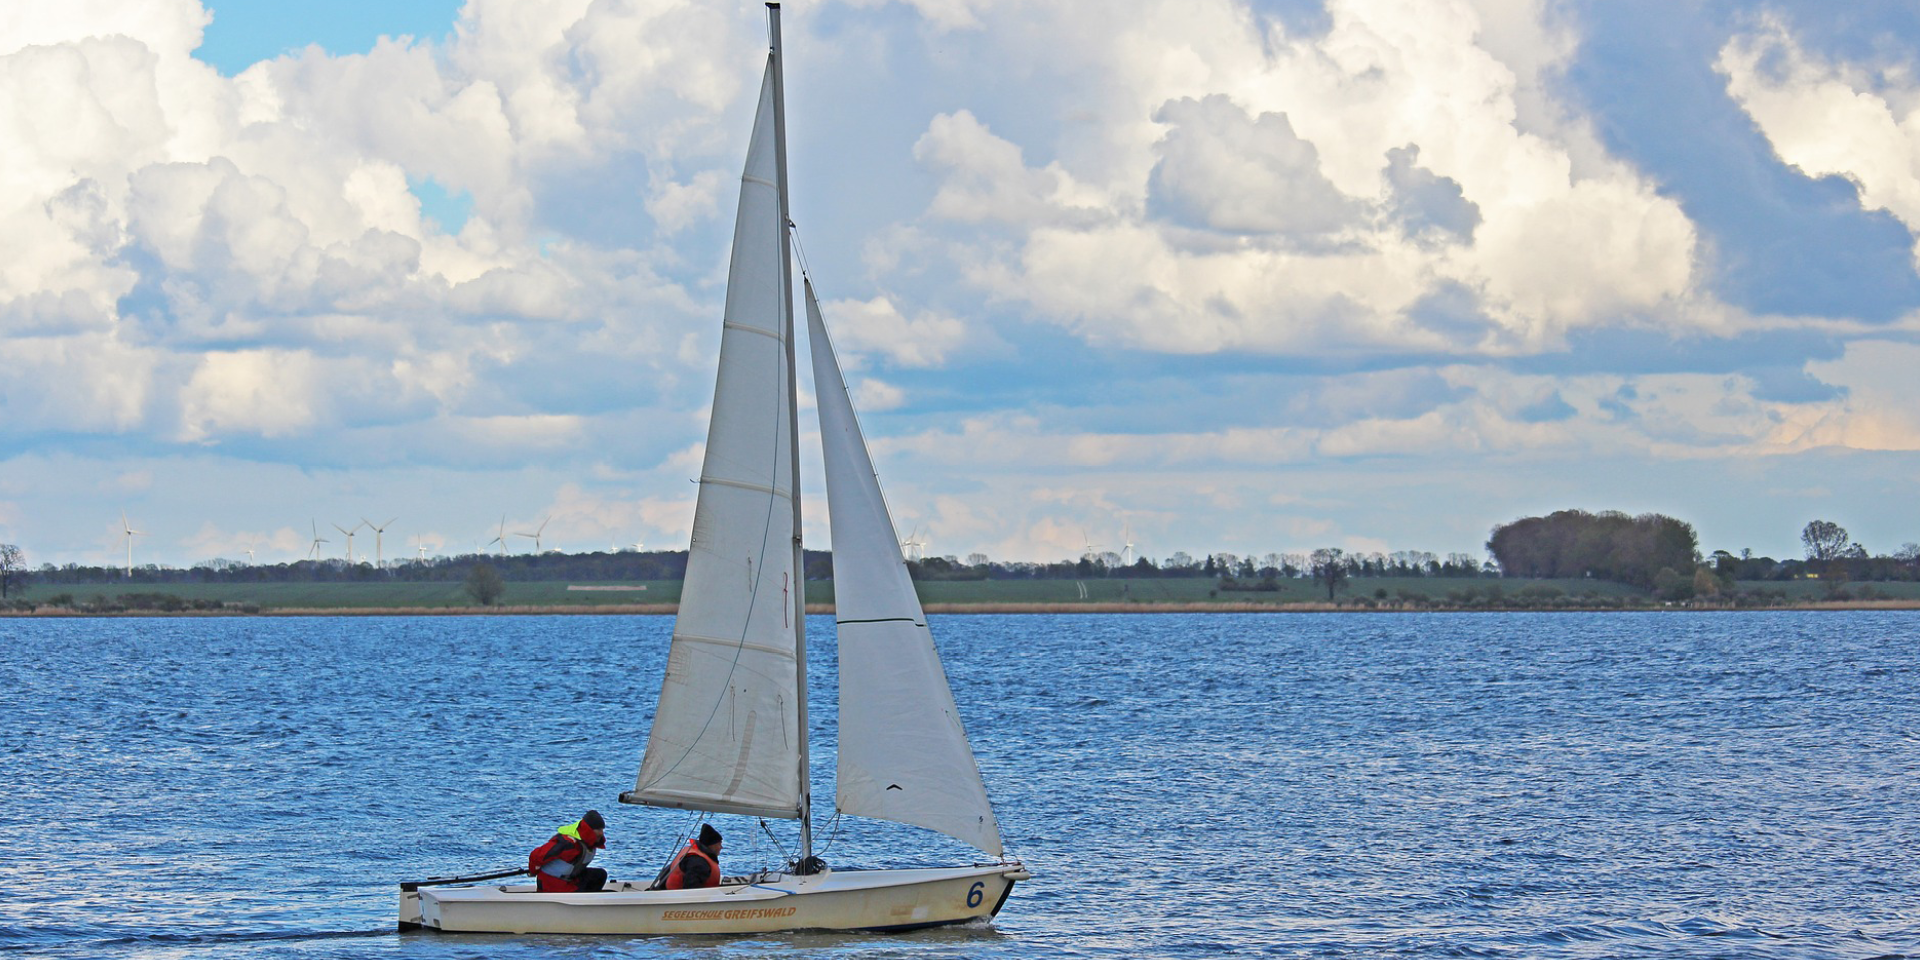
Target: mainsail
(904, 755)
(727, 732)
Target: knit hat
(594, 830)
(709, 837)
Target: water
(1349, 785)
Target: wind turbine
(1126, 552)
(377, 560)
(314, 554)
(502, 538)
(249, 556)
(910, 547)
(1092, 548)
(129, 533)
(349, 534)
(535, 535)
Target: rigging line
(799, 250)
(778, 847)
(833, 832)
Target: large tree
(1329, 566)
(484, 584)
(13, 563)
(1608, 545)
(1825, 540)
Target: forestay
(726, 732)
(904, 755)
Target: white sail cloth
(726, 734)
(904, 754)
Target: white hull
(834, 900)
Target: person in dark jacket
(560, 864)
(699, 864)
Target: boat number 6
(976, 893)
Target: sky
(1243, 276)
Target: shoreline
(669, 609)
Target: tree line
(1651, 551)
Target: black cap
(708, 835)
(592, 819)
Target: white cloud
(531, 431)
(675, 206)
(876, 326)
(1223, 170)
(268, 392)
(592, 520)
(1832, 119)
(1480, 412)
(86, 383)
(873, 395)
(1274, 140)
(946, 14)
(132, 481)
(986, 179)
(1880, 412)
(213, 541)
(236, 272)
(158, 222)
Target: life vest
(677, 881)
(566, 845)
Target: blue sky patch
(245, 32)
(449, 210)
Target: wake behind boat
(729, 729)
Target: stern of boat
(409, 907)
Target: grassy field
(661, 595)
(1198, 590)
(382, 595)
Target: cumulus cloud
(197, 252)
(1425, 203)
(212, 541)
(265, 391)
(1832, 118)
(1393, 139)
(874, 396)
(1470, 410)
(1220, 169)
(876, 326)
(1878, 411)
(594, 519)
(89, 383)
(1392, 204)
(987, 179)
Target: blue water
(1348, 785)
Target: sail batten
(778, 493)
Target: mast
(793, 433)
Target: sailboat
(730, 730)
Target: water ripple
(1502, 786)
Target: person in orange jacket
(699, 864)
(560, 864)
